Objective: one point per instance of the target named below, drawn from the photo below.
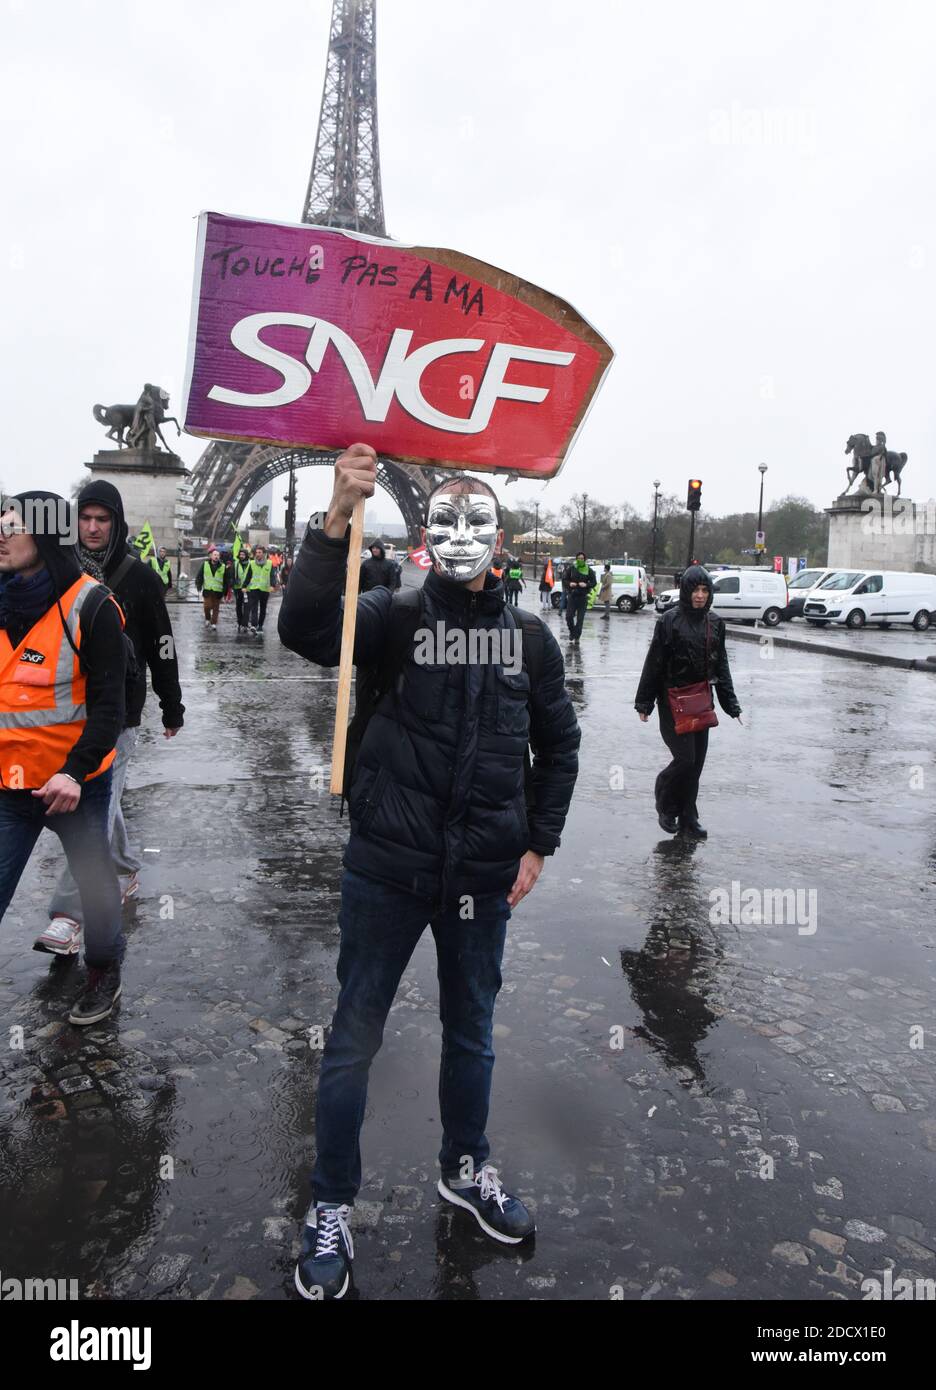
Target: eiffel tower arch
(344, 190)
(229, 475)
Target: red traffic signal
(694, 497)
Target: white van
(856, 597)
(750, 594)
(629, 589)
(800, 588)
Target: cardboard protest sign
(304, 335)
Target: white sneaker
(62, 937)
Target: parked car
(800, 588)
(856, 597)
(750, 595)
(666, 598)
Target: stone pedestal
(882, 532)
(148, 480)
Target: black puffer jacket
(437, 805)
(676, 655)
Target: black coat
(141, 594)
(379, 572)
(437, 805)
(677, 652)
(572, 577)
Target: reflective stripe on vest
(25, 690)
(260, 576)
(212, 583)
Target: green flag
(145, 541)
(236, 548)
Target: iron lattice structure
(344, 191)
(228, 475)
(344, 185)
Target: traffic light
(694, 497)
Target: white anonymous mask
(461, 531)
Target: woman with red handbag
(686, 658)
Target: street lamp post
(656, 504)
(584, 517)
(762, 469)
(536, 507)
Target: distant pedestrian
(514, 582)
(212, 580)
(546, 585)
(239, 583)
(160, 563)
(581, 580)
(688, 647)
(260, 581)
(379, 572)
(604, 593)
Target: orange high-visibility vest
(42, 696)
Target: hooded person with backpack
(450, 824)
(104, 555)
(687, 650)
(62, 702)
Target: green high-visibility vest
(161, 569)
(240, 574)
(212, 583)
(260, 576)
(515, 573)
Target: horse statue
(137, 426)
(893, 463)
(878, 464)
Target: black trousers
(575, 613)
(240, 599)
(677, 786)
(256, 608)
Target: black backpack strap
(123, 568)
(89, 611)
(534, 645)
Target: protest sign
(305, 335)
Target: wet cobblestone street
(693, 1110)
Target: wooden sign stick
(346, 664)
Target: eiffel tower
(344, 191)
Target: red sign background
(414, 351)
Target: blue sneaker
(499, 1215)
(324, 1268)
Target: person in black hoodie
(104, 554)
(378, 571)
(57, 738)
(688, 645)
(447, 830)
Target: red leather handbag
(692, 706)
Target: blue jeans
(83, 833)
(380, 927)
(66, 900)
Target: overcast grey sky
(738, 195)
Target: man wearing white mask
(449, 829)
